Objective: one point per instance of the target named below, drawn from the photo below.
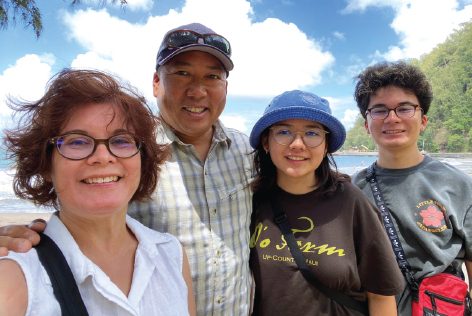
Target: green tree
(25, 9)
(357, 137)
(29, 13)
(449, 69)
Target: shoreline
(375, 153)
(465, 164)
(21, 218)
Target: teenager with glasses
(88, 148)
(203, 195)
(337, 229)
(430, 201)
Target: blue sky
(278, 45)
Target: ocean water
(346, 163)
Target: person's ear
(47, 177)
(424, 122)
(155, 83)
(366, 126)
(265, 143)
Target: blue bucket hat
(298, 104)
(194, 36)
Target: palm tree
(29, 13)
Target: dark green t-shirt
(343, 241)
(431, 206)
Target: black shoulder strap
(63, 282)
(280, 218)
(390, 229)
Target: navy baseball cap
(194, 36)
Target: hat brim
(337, 132)
(222, 57)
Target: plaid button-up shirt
(207, 206)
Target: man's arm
(20, 238)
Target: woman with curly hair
(88, 148)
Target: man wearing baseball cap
(203, 195)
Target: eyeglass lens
(402, 111)
(78, 146)
(311, 137)
(184, 38)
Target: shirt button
(214, 211)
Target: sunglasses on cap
(182, 38)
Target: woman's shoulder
(13, 288)
(347, 188)
(24, 272)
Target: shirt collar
(80, 265)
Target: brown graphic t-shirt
(343, 241)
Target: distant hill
(449, 69)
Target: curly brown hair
(399, 74)
(28, 145)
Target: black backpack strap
(280, 218)
(389, 226)
(63, 282)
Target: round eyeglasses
(311, 137)
(76, 146)
(403, 111)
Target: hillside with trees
(449, 69)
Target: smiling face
(191, 92)
(394, 134)
(296, 163)
(101, 184)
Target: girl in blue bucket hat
(298, 191)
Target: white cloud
(420, 24)
(116, 45)
(339, 35)
(133, 5)
(238, 122)
(349, 118)
(276, 51)
(362, 5)
(267, 49)
(344, 109)
(25, 80)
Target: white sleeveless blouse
(157, 288)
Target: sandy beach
(21, 218)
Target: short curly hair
(399, 74)
(29, 147)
